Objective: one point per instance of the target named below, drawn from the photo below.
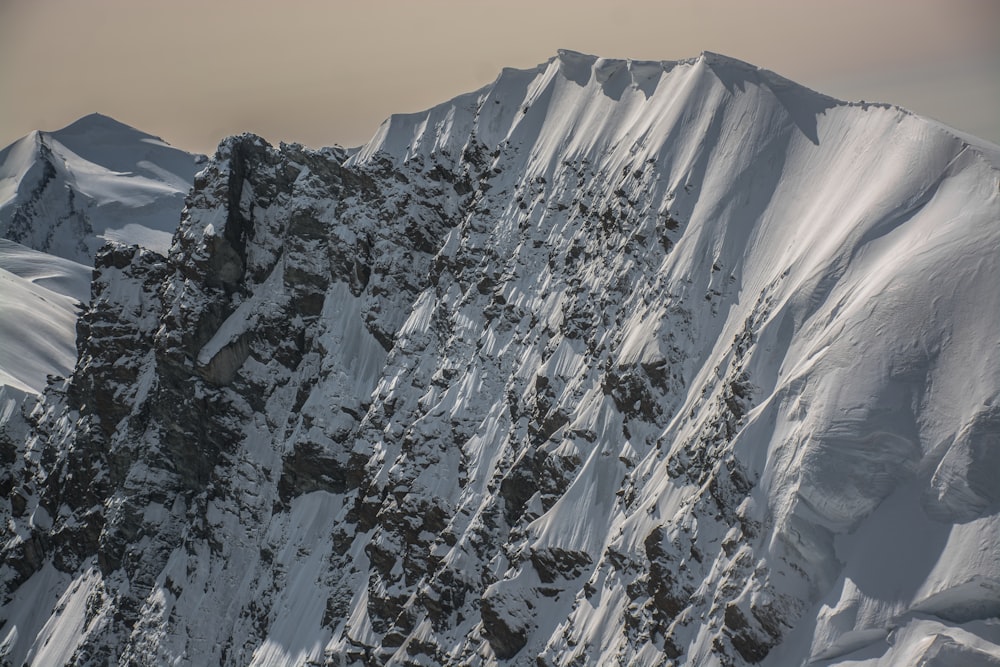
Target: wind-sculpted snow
(606, 363)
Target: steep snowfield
(861, 242)
(609, 362)
(67, 192)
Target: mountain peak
(608, 362)
(715, 60)
(577, 66)
(68, 191)
(572, 57)
(100, 127)
(571, 90)
(97, 118)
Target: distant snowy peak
(63, 194)
(122, 149)
(67, 192)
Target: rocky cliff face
(606, 363)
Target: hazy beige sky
(329, 72)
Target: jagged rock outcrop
(608, 362)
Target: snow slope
(857, 226)
(609, 362)
(39, 299)
(96, 180)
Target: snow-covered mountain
(39, 304)
(67, 192)
(62, 195)
(609, 362)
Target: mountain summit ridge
(801, 102)
(655, 366)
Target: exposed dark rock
(506, 637)
(554, 563)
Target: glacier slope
(609, 362)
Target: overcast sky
(325, 72)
